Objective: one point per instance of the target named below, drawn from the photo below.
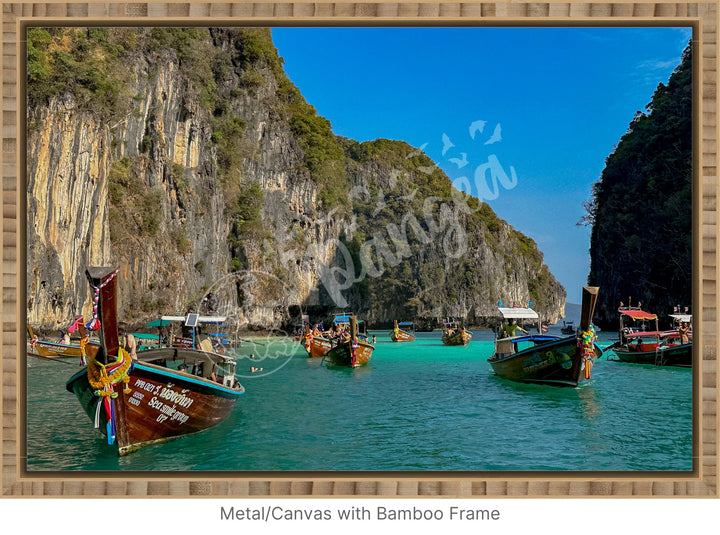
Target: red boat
(660, 348)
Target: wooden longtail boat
(663, 355)
(43, 348)
(354, 352)
(568, 327)
(54, 350)
(150, 400)
(401, 332)
(644, 348)
(455, 335)
(315, 345)
(547, 359)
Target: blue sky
(558, 98)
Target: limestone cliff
(187, 159)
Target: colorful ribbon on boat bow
(353, 350)
(586, 344)
(94, 323)
(103, 378)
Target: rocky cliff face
(220, 190)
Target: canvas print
(346, 249)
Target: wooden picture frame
(701, 482)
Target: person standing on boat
(128, 343)
(683, 332)
(510, 330)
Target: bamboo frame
(703, 16)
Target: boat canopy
(146, 336)
(518, 313)
(687, 318)
(187, 319)
(340, 320)
(405, 323)
(638, 314)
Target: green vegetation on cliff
(430, 243)
(641, 209)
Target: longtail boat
(568, 327)
(455, 335)
(316, 345)
(401, 332)
(164, 394)
(550, 360)
(354, 352)
(660, 348)
(318, 342)
(43, 348)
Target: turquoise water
(417, 406)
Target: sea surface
(417, 406)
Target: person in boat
(511, 329)
(683, 331)
(128, 343)
(64, 338)
(182, 367)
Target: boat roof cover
(518, 313)
(682, 317)
(639, 314)
(146, 336)
(342, 319)
(200, 319)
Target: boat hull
(401, 336)
(162, 404)
(555, 362)
(680, 355)
(54, 350)
(457, 339)
(317, 346)
(341, 355)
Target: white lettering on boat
(176, 397)
(166, 411)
